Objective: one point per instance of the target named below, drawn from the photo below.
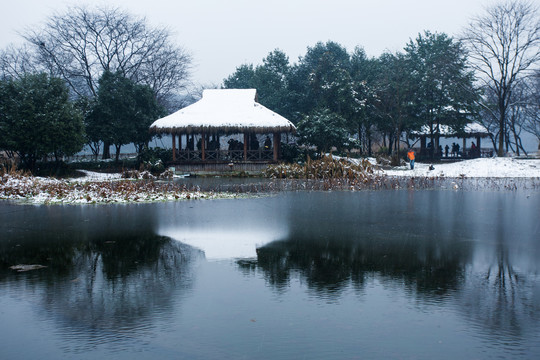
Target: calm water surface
(307, 275)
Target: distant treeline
(490, 74)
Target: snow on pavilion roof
(224, 110)
(472, 129)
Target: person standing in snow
(410, 156)
(446, 150)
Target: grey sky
(222, 35)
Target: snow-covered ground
(499, 167)
(94, 188)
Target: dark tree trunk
(368, 135)
(117, 147)
(106, 150)
(502, 130)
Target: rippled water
(372, 274)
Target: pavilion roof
(224, 110)
(470, 130)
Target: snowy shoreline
(475, 168)
(94, 188)
(98, 188)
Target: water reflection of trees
(328, 266)
(122, 282)
(496, 297)
(502, 299)
(118, 282)
(504, 294)
(478, 256)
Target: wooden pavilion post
(245, 146)
(179, 142)
(277, 145)
(464, 146)
(203, 146)
(173, 147)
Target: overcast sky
(224, 34)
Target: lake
(406, 274)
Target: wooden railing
(225, 155)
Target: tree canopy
(442, 85)
(38, 120)
(122, 112)
(428, 84)
(323, 129)
(270, 79)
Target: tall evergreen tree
(272, 83)
(361, 119)
(443, 85)
(322, 78)
(242, 78)
(123, 112)
(37, 119)
(395, 96)
(323, 129)
(269, 79)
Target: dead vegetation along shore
(325, 168)
(16, 185)
(324, 175)
(330, 173)
(383, 182)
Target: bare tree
(80, 44)
(504, 47)
(16, 62)
(532, 109)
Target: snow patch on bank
(477, 168)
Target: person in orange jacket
(410, 156)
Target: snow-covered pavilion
(224, 112)
(470, 130)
